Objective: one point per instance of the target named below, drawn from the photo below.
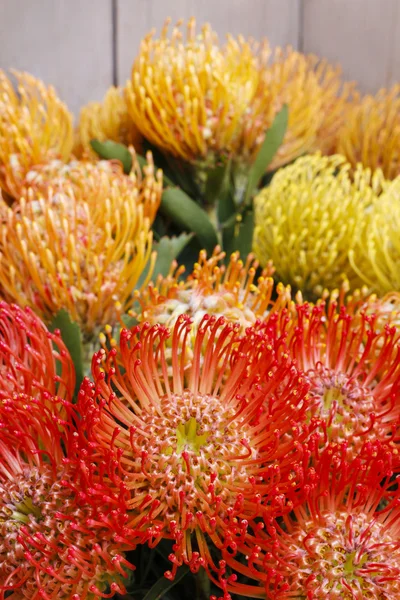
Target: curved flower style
(307, 221)
(80, 241)
(371, 132)
(353, 368)
(107, 120)
(194, 98)
(215, 289)
(337, 98)
(341, 540)
(200, 448)
(290, 79)
(375, 256)
(53, 543)
(35, 126)
(33, 361)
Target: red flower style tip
(341, 540)
(198, 448)
(353, 366)
(52, 542)
(33, 361)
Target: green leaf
(111, 150)
(242, 238)
(189, 216)
(273, 139)
(167, 250)
(72, 338)
(163, 585)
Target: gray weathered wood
(359, 34)
(67, 43)
(276, 19)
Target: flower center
(194, 442)
(343, 403)
(347, 557)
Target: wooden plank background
(83, 46)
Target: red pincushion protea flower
(49, 547)
(353, 366)
(198, 447)
(341, 540)
(33, 361)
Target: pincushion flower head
(352, 364)
(213, 288)
(371, 132)
(107, 120)
(35, 126)
(192, 98)
(198, 448)
(375, 256)
(341, 539)
(33, 361)
(79, 240)
(307, 221)
(53, 543)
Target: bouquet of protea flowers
(199, 332)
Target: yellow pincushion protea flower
(81, 245)
(371, 133)
(375, 256)
(35, 126)
(192, 98)
(107, 120)
(307, 220)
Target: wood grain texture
(362, 35)
(67, 43)
(276, 19)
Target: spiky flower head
(198, 448)
(289, 79)
(213, 288)
(371, 132)
(341, 540)
(308, 219)
(82, 244)
(337, 99)
(375, 256)
(35, 126)
(33, 361)
(352, 364)
(106, 120)
(193, 98)
(54, 544)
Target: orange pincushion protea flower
(192, 98)
(35, 126)
(198, 448)
(337, 98)
(213, 288)
(54, 544)
(371, 132)
(107, 120)
(341, 539)
(80, 245)
(290, 79)
(33, 361)
(353, 368)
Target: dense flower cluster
(309, 221)
(240, 422)
(79, 240)
(34, 126)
